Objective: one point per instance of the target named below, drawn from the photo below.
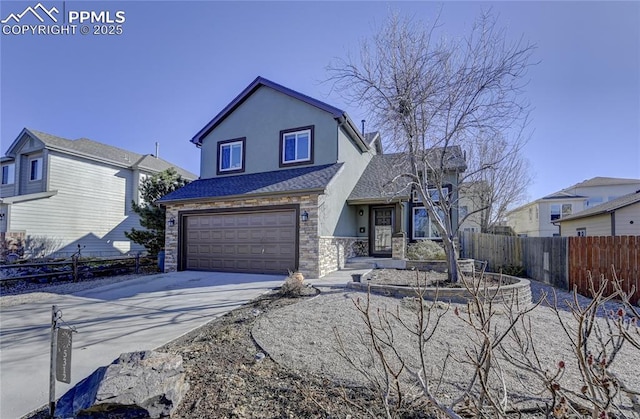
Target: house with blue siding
(73, 194)
(289, 183)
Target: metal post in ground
(52, 371)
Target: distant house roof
(313, 178)
(604, 208)
(377, 181)
(338, 114)
(570, 192)
(604, 181)
(94, 150)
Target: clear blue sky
(177, 64)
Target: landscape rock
(144, 384)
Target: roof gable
(16, 145)
(377, 180)
(252, 88)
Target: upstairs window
(8, 174)
(35, 169)
(296, 146)
(231, 156)
(593, 201)
(559, 211)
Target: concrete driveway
(138, 314)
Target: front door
(382, 227)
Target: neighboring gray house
(73, 192)
(288, 182)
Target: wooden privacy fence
(543, 258)
(560, 261)
(598, 255)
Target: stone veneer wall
(334, 252)
(307, 240)
(399, 246)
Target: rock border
(517, 291)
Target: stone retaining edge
(518, 292)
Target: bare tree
(436, 97)
(501, 186)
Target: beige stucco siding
(88, 208)
(260, 118)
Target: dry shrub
(293, 286)
(425, 250)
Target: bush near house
(152, 216)
(425, 250)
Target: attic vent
(125, 157)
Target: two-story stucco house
(539, 218)
(73, 192)
(288, 182)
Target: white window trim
(581, 230)
(413, 226)
(38, 169)
(296, 133)
(416, 198)
(230, 145)
(11, 174)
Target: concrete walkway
(139, 314)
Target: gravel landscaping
(279, 357)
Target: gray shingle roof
(377, 181)
(276, 182)
(158, 164)
(104, 152)
(606, 207)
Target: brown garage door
(258, 242)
